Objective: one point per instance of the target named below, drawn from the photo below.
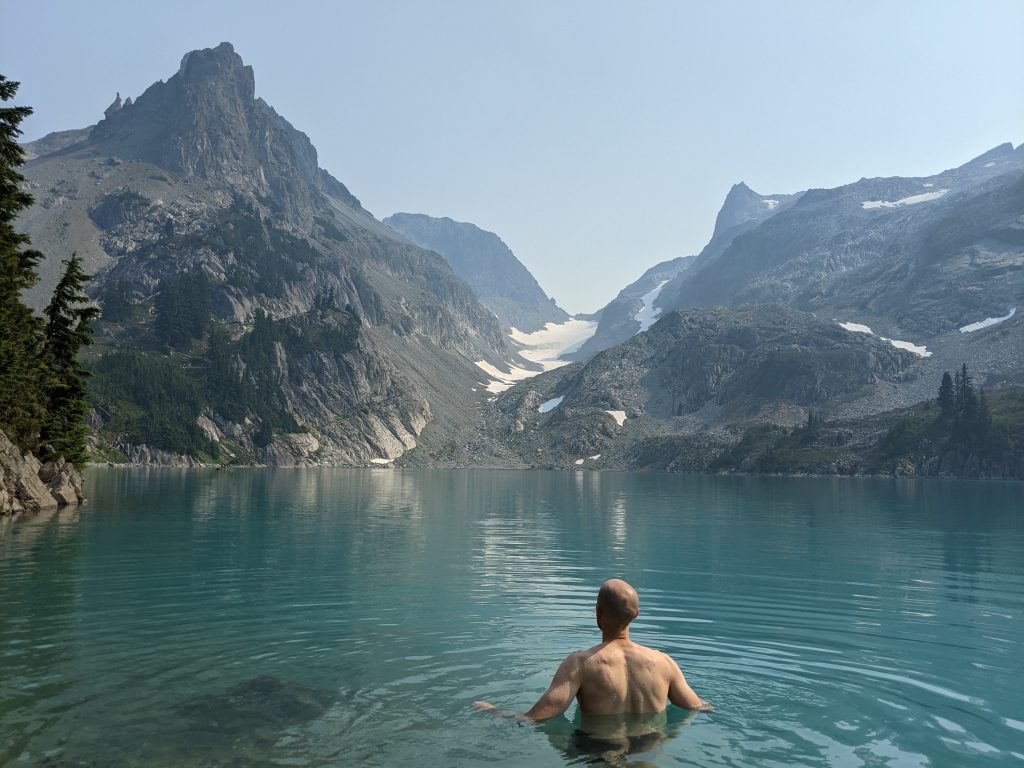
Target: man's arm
(559, 695)
(681, 694)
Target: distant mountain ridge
(841, 250)
(501, 282)
(254, 312)
(766, 328)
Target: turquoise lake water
(350, 617)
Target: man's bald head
(618, 601)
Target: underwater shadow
(618, 740)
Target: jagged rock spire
(114, 107)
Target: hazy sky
(595, 138)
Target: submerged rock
(255, 708)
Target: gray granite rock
(27, 485)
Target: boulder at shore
(28, 485)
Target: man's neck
(622, 634)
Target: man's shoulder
(579, 657)
(654, 654)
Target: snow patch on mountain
(648, 312)
(856, 328)
(502, 380)
(550, 405)
(772, 204)
(619, 416)
(988, 321)
(543, 348)
(917, 349)
(924, 197)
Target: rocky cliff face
(206, 123)
(498, 278)
(259, 311)
(27, 485)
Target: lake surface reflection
(350, 617)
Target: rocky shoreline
(29, 485)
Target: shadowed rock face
(206, 122)
(739, 360)
(498, 278)
(693, 371)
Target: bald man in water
(616, 676)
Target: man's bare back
(617, 676)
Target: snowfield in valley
(543, 348)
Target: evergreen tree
(69, 318)
(967, 401)
(947, 399)
(21, 371)
(117, 302)
(983, 417)
(223, 381)
(182, 309)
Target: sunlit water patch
(350, 617)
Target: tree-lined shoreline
(42, 381)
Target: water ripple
(848, 624)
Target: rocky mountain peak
(220, 69)
(205, 121)
(1002, 152)
(741, 204)
(218, 66)
(199, 121)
